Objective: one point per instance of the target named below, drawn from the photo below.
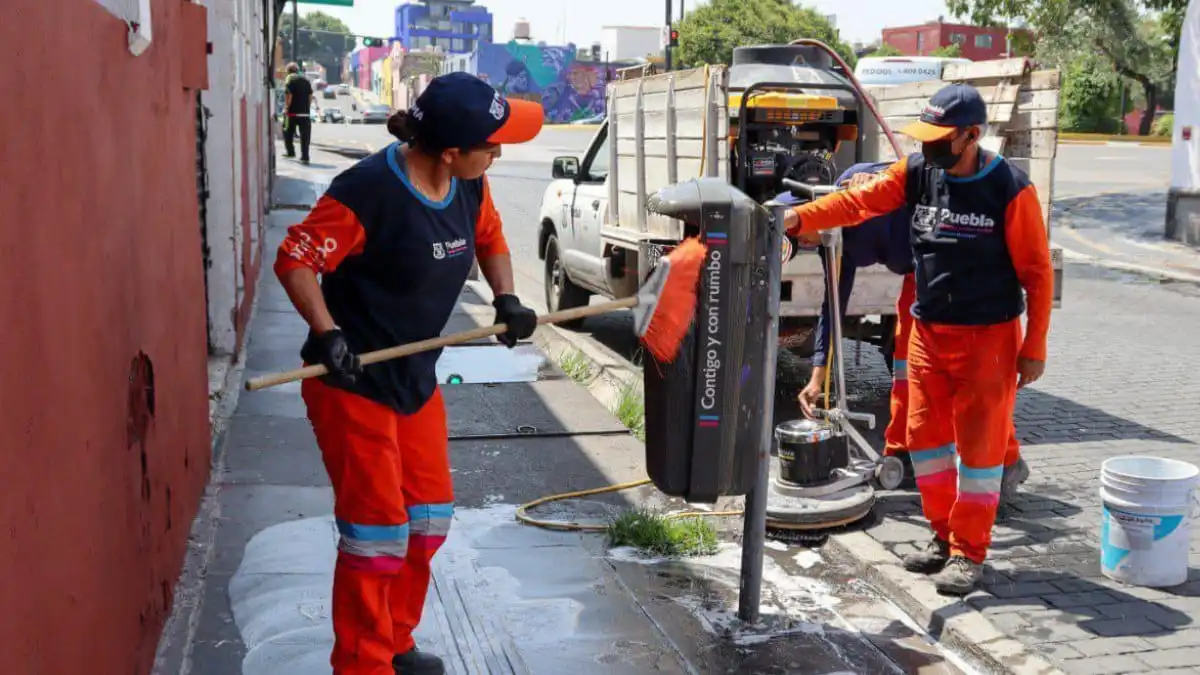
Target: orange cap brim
(926, 132)
(524, 123)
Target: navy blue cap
(955, 106)
(459, 110)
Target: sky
(579, 21)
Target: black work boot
(958, 577)
(417, 662)
(929, 560)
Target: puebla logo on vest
(449, 249)
(927, 218)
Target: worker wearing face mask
(981, 258)
(884, 241)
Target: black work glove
(521, 320)
(330, 350)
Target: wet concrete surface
(815, 619)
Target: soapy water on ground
(540, 586)
(534, 583)
(791, 604)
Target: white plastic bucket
(1147, 508)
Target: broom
(663, 309)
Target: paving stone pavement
(1123, 377)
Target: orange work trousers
(393, 502)
(896, 435)
(962, 388)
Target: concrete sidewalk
(507, 598)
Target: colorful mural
(569, 90)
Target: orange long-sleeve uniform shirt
(392, 264)
(977, 242)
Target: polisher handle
(411, 348)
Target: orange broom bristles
(677, 302)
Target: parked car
(333, 116)
(376, 113)
(328, 93)
(343, 90)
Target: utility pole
(295, 31)
(667, 48)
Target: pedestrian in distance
(981, 258)
(883, 240)
(393, 240)
(298, 102)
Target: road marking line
(1074, 234)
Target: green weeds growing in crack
(658, 535)
(576, 366)
(630, 407)
(631, 410)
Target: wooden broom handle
(411, 348)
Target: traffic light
(674, 38)
(372, 42)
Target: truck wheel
(560, 292)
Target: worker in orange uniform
(884, 240)
(979, 250)
(393, 240)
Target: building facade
(456, 26)
(629, 43)
(131, 271)
(978, 43)
(568, 89)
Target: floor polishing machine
(825, 472)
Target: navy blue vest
(404, 285)
(964, 272)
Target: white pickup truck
(596, 236)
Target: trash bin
(704, 410)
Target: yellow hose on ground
(568, 526)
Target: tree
(322, 38)
(886, 50)
(1135, 46)
(1091, 97)
(709, 33)
(950, 51)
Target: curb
(953, 623)
(610, 378)
(1107, 139)
(1154, 273)
(344, 150)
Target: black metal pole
(667, 48)
(295, 32)
(754, 523)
